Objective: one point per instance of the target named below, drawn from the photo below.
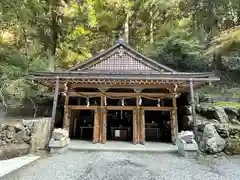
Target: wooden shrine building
(122, 74)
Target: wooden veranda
(121, 67)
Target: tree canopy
(187, 35)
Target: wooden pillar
(104, 126)
(96, 130)
(193, 106)
(103, 123)
(67, 111)
(140, 123)
(142, 126)
(173, 135)
(55, 99)
(174, 120)
(75, 126)
(135, 131)
(101, 117)
(138, 118)
(67, 119)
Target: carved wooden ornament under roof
(121, 58)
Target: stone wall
(233, 146)
(20, 137)
(218, 129)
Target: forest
(50, 35)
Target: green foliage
(227, 104)
(187, 35)
(177, 48)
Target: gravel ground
(128, 166)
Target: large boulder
(185, 110)
(206, 110)
(17, 124)
(233, 146)
(234, 120)
(220, 114)
(187, 121)
(2, 126)
(222, 129)
(213, 112)
(234, 132)
(233, 115)
(211, 141)
(231, 111)
(40, 133)
(13, 150)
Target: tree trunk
(54, 33)
(34, 106)
(3, 101)
(151, 27)
(25, 42)
(126, 29)
(51, 58)
(54, 28)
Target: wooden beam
(121, 108)
(77, 85)
(116, 94)
(81, 107)
(55, 99)
(145, 108)
(153, 108)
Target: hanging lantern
(105, 101)
(140, 101)
(95, 103)
(88, 102)
(122, 101)
(159, 103)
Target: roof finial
(118, 41)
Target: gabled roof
(119, 58)
(121, 65)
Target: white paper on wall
(117, 133)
